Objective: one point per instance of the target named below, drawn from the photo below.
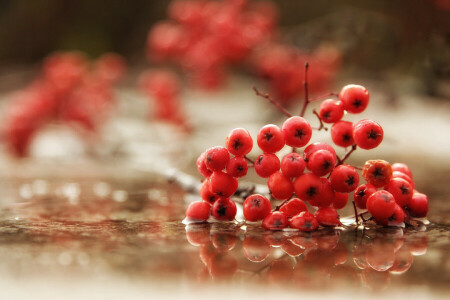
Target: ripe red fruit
(293, 207)
(270, 138)
(403, 168)
(216, 158)
(198, 211)
(304, 221)
(397, 218)
(321, 162)
(362, 193)
(401, 190)
(340, 200)
(297, 131)
(344, 179)
(280, 186)
(327, 216)
(331, 111)
(342, 133)
(201, 166)
(418, 205)
(398, 174)
(266, 164)
(206, 194)
(316, 147)
(292, 165)
(224, 209)
(239, 142)
(237, 167)
(355, 98)
(308, 186)
(326, 194)
(256, 207)
(381, 204)
(368, 134)
(377, 172)
(275, 221)
(223, 184)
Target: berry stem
(322, 126)
(277, 208)
(274, 102)
(347, 155)
(356, 213)
(321, 97)
(305, 84)
(249, 159)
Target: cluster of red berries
(206, 37)
(70, 89)
(327, 184)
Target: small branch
(356, 213)
(322, 126)
(274, 102)
(277, 208)
(342, 160)
(249, 159)
(305, 84)
(321, 97)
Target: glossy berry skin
(331, 111)
(201, 166)
(223, 184)
(275, 221)
(198, 211)
(280, 186)
(367, 134)
(403, 168)
(381, 204)
(256, 207)
(355, 98)
(316, 147)
(340, 200)
(342, 133)
(418, 205)
(377, 172)
(344, 179)
(292, 165)
(398, 174)
(267, 164)
(270, 138)
(239, 142)
(326, 194)
(237, 167)
(401, 190)
(305, 221)
(397, 218)
(206, 194)
(362, 193)
(224, 209)
(297, 131)
(321, 162)
(308, 187)
(293, 207)
(216, 158)
(327, 216)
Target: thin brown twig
(322, 126)
(249, 159)
(305, 84)
(274, 102)
(356, 213)
(321, 97)
(347, 155)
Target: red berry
(327, 216)
(275, 221)
(224, 209)
(418, 205)
(223, 184)
(237, 167)
(266, 164)
(381, 204)
(256, 207)
(198, 211)
(342, 133)
(331, 111)
(344, 179)
(401, 190)
(305, 221)
(340, 200)
(308, 186)
(280, 186)
(216, 158)
(321, 162)
(368, 134)
(397, 217)
(206, 194)
(377, 172)
(398, 174)
(239, 142)
(362, 193)
(326, 195)
(292, 165)
(297, 131)
(403, 168)
(270, 139)
(201, 166)
(354, 97)
(315, 147)
(293, 207)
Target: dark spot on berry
(326, 115)
(326, 165)
(362, 193)
(386, 198)
(346, 137)
(350, 180)
(260, 159)
(372, 135)
(299, 133)
(268, 136)
(311, 192)
(293, 158)
(378, 172)
(240, 168)
(256, 203)
(222, 211)
(277, 223)
(357, 103)
(208, 157)
(404, 189)
(212, 199)
(237, 144)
